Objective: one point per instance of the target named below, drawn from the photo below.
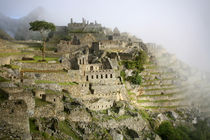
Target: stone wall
(61, 77)
(106, 89)
(101, 104)
(79, 115)
(67, 47)
(14, 122)
(101, 76)
(42, 66)
(19, 94)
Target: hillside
(99, 87)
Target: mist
(180, 26)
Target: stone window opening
(54, 99)
(110, 75)
(106, 76)
(87, 78)
(92, 76)
(96, 76)
(91, 68)
(101, 76)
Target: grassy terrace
(2, 79)
(162, 107)
(154, 89)
(39, 102)
(149, 85)
(53, 82)
(14, 53)
(37, 59)
(170, 94)
(43, 71)
(173, 78)
(158, 101)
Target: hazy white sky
(180, 26)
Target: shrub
(123, 75)
(135, 79)
(137, 63)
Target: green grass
(37, 59)
(65, 128)
(3, 96)
(53, 82)
(154, 89)
(144, 114)
(169, 95)
(14, 53)
(158, 101)
(2, 79)
(159, 107)
(130, 93)
(149, 85)
(34, 129)
(11, 66)
(39, 102)
(123, 117)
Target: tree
(44, 28)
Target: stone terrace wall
(53, 76)
(105, 89)
(42, 66)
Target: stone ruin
(84, 26)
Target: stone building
(84, 26)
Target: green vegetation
(2, 79)
(130, 93)
(122, 74)
(37, 59)
(159, 107)
(137, 63)
(39, 102)
(158, 101)
(13, 53)
(53, 82)
(3, 96)
(12, 66)
(169, 94)
(144, 114)
(160, 89)
(43, 27)
(123, 117)
(64, 127)
(168, 132)
(137, 66)
(33, 127)
(34, 130)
